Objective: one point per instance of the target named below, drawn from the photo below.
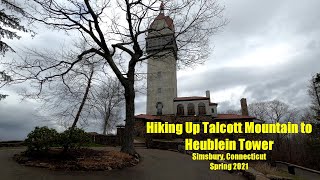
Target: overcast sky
(269, 50)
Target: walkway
(156, 164)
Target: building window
(180, 110)
(202, 108)
(212, 110)
(159, 74)
(159, 107)
(191, 109)
(159, 90)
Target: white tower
(162, 72)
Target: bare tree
(307, 116)
(71, 98)
(314, 93)
(115, 31)
(232, 111)
(84, 98)
(276, 110)
(273, 111)
(258, 110)
(87, 93)
(108, 102)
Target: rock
(109, 168)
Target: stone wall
(139, 128)
(109, 140)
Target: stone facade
(210, 108)
(161, 84)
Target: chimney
(244, 107)
(208, 94)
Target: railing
(300, 170)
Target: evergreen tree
(9, 22)
(5, 78)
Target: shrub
(41, 138)
(75, 138)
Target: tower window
(159, 107)
(159, 74)
(180, 110)
(191, 109)
(202, 108)
(159, 90)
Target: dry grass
(264, 168)
(107, 160)
(82, 159)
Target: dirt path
(156, 164)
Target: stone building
(194, 105)
(163, 103)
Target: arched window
(202, 108)
(191, 109)
(159, 107)
(180, 110)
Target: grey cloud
(287, 81)
(16, 121)
(140, 104)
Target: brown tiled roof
(232, 117)
(167, 19)
(181, 119)
(191, 98)
(147, 117)
(219, 117)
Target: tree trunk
(106, 120)
(75, 121)
(127, 143)
(85, 96)
(105, 126)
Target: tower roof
(166, 19)
(162, 21)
